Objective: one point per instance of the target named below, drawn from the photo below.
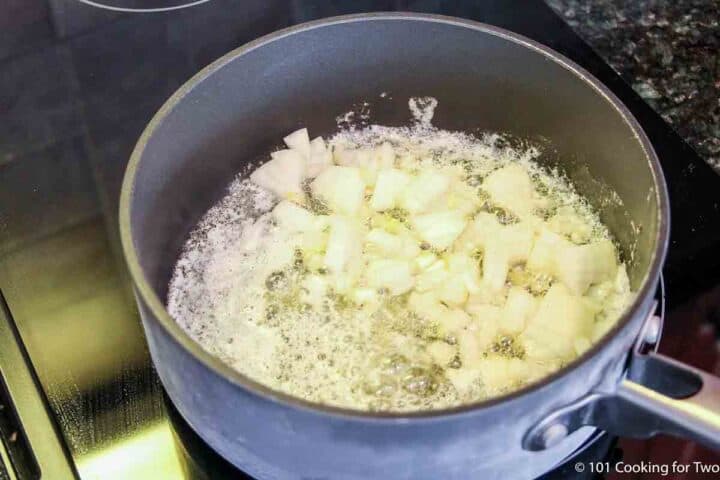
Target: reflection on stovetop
(75, 96)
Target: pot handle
(663, 395)
(657, 395)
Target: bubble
(420, 382)
(277, 281)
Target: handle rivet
(652, 331)
(553, 434)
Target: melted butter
(249, 307)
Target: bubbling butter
(399, 269)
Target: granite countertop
(668, 50)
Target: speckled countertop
(668, 50)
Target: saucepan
(485, 79)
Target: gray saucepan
(485, 79)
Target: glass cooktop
(79, 396)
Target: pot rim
(151, 299)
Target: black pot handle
(657, 395)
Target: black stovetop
(77, 86)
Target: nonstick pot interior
(237, 112)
